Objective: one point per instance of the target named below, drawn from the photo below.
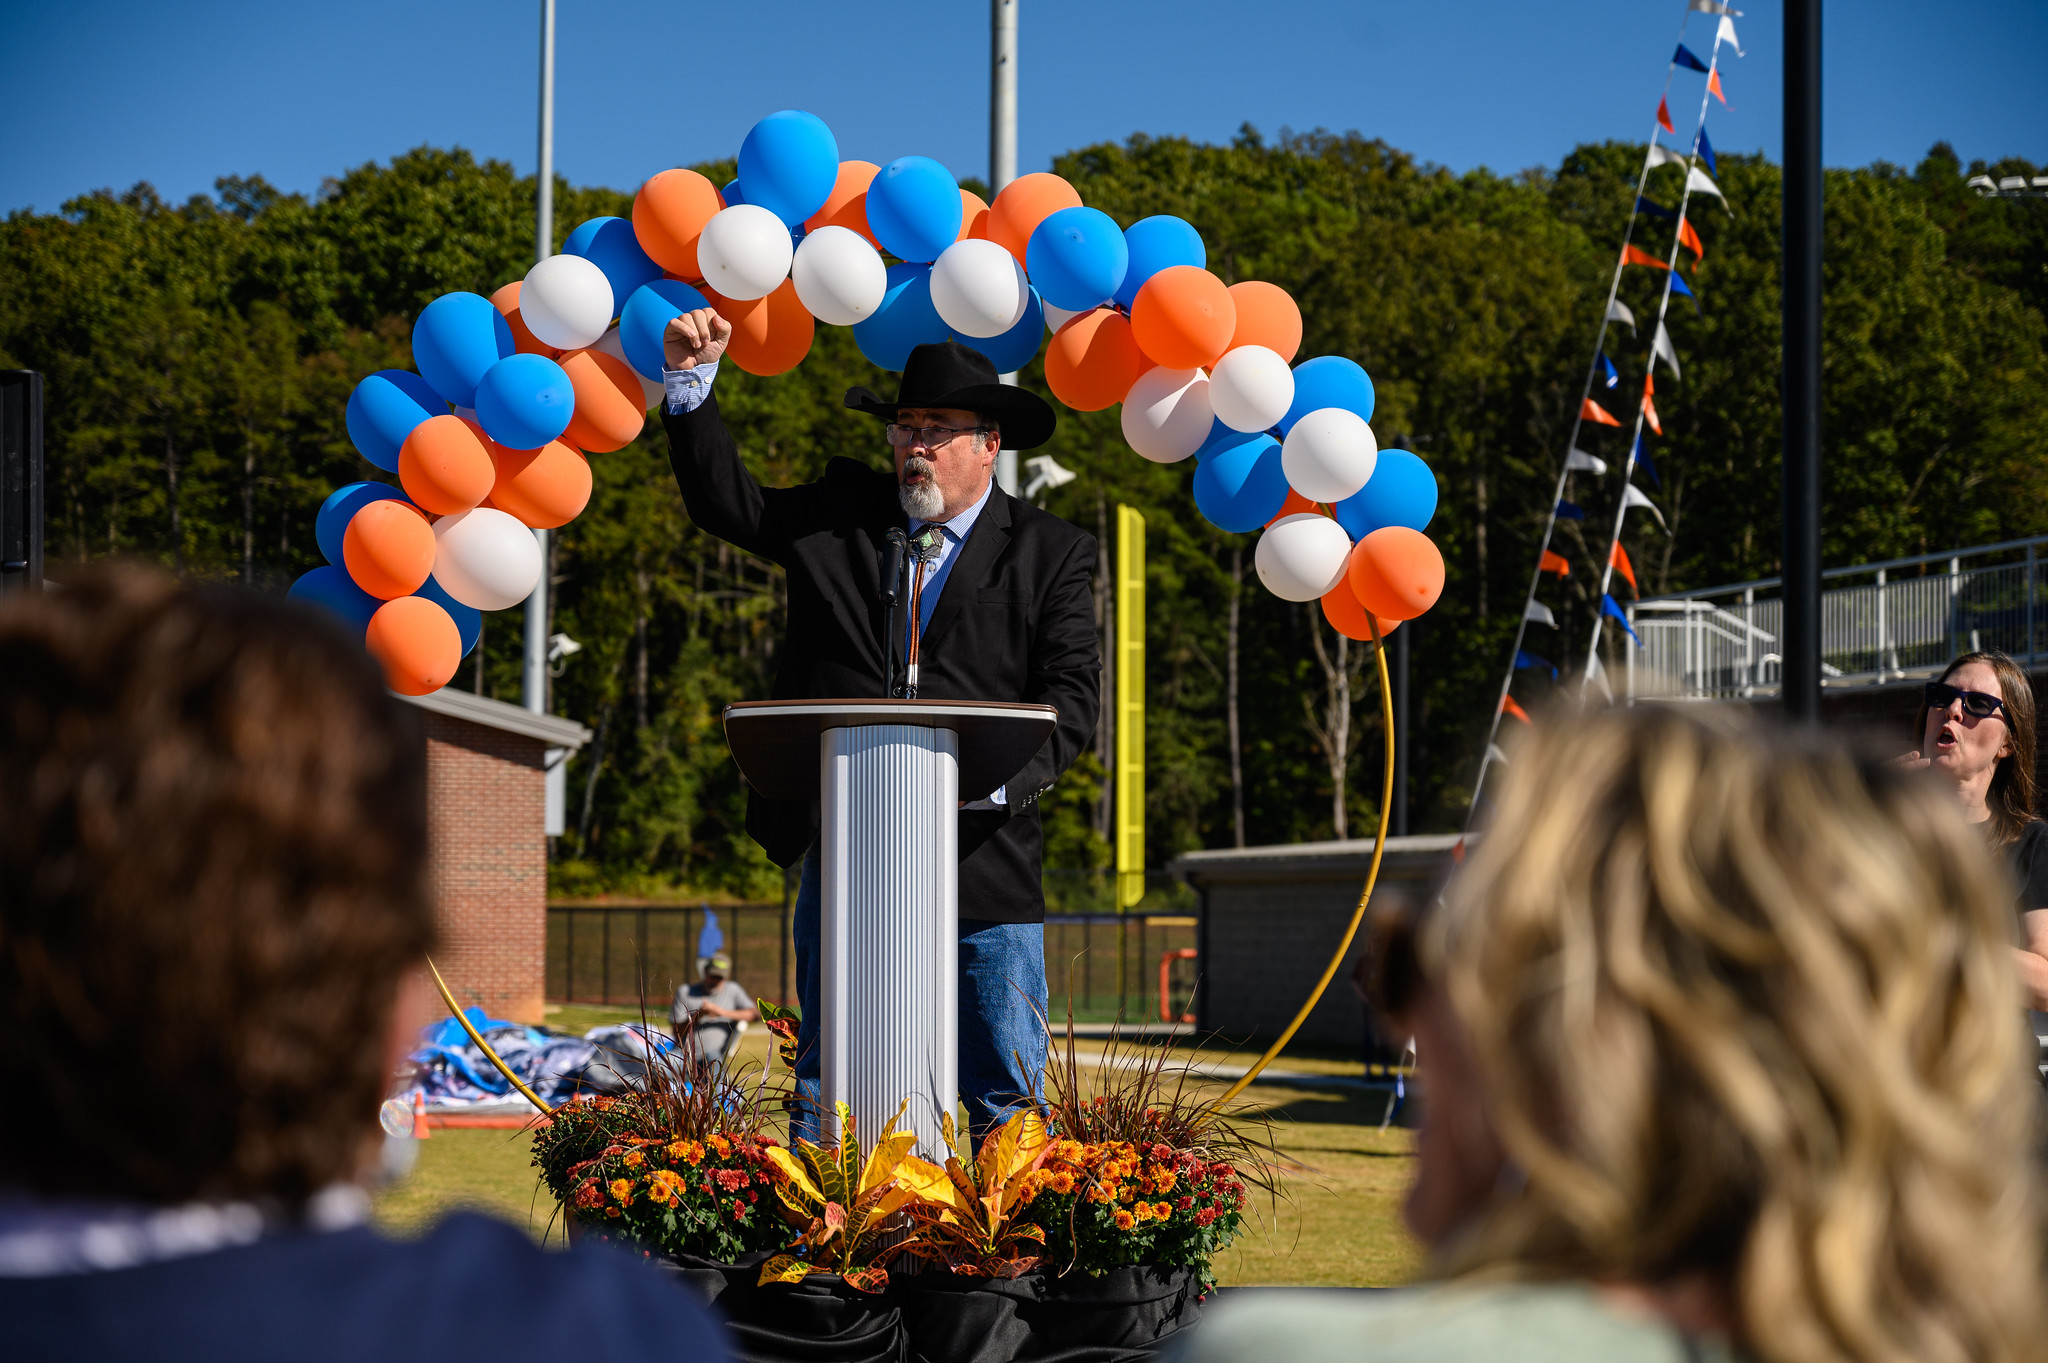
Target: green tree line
(199, 358)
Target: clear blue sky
(95, 94)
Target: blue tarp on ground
(450, 1071)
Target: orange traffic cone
(419, 1116)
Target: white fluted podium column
(888, 914)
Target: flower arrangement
(848, 1208)
(1103, 1205)
(972, 1221)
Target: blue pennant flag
(1609, 606)
(1612, 377)
(1654, 209)
(1570, 511)
(1525, 659)
(1643, 461)
(1684, 57)
(1678, 285)
(1706, 151)
(711, 940)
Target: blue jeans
(1002, 1035)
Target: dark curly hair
(213, 875)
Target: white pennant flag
(1661, 155)
(1696, 179)
(1597, 674)
(1635, 496)
(1661, 348)
(1538, 613)
(1617, 311)
(1494, 754)
(1578, 461)
(1726, 34)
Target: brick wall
(484, 805)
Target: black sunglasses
(1976, 704)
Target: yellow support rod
(453, 1007)
(1372, 875)
(1130, 725)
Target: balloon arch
(490, 437)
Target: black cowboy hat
(948, 374)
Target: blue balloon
(1328, 381)
(609, 244)
(334, 591)
(790, 162)
(1012, 350)
(384, 408)
(331, 523)
(1076, 258)
(732, 193)
(1154, 244)
(914, 208)
(1242, 485)
(905, 320)
(647, 316)
(469, 621)
(457, 337)
(524, 402)
(1402, 491)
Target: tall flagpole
(1628, 467)
(533, 679)
(1489, 757)
(1002, 152)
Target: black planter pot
(1125, 1316)
(819, 1320)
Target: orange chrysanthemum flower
(1124, 1220)
(622, 1190)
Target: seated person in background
(1714, 1033)
(707, 1013)
(1976, 732)
(213, 907)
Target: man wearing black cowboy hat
(1000, 607)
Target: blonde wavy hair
(1742, 1005)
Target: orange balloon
(506, 301)
(769, 335)
(848, 204)
(973, 217)
(1093, 360)
(544, 488)
(609, 401)
(1347, 617)
(669, 214)
(1396, 572)
(1183, 317)
(418, 644)
(1267, 316)
(1024, 203)
(388, 549)
(1293, 506)
(443, 467)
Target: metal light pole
(1799, 646)
(1002, 151)
(533, 687)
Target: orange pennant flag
(1690, 240)
(1664, 116)
(1650, 415)
(1636, 255)
(1619, 560)
(1592, 411)
(1554, 562)
(1714, 86)
(1508, 707)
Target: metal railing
(1901, 619)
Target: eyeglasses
(931, 437)
(1976, 704)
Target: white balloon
(567, 302)
(1329, 454)
(1251, 388)
(979, 288)
(744, 251)
(840, 279)
(485, 558)
(651, 391)
(1055, 318)
(1166, 414)
(1300, 557)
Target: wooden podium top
(775, 742)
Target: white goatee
(920, 501)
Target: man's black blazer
(1015, 622)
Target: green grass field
(1337, 1224)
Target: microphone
(892, 565)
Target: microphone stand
(892, 592)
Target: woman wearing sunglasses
(1977, 729)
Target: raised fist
(694, 338)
